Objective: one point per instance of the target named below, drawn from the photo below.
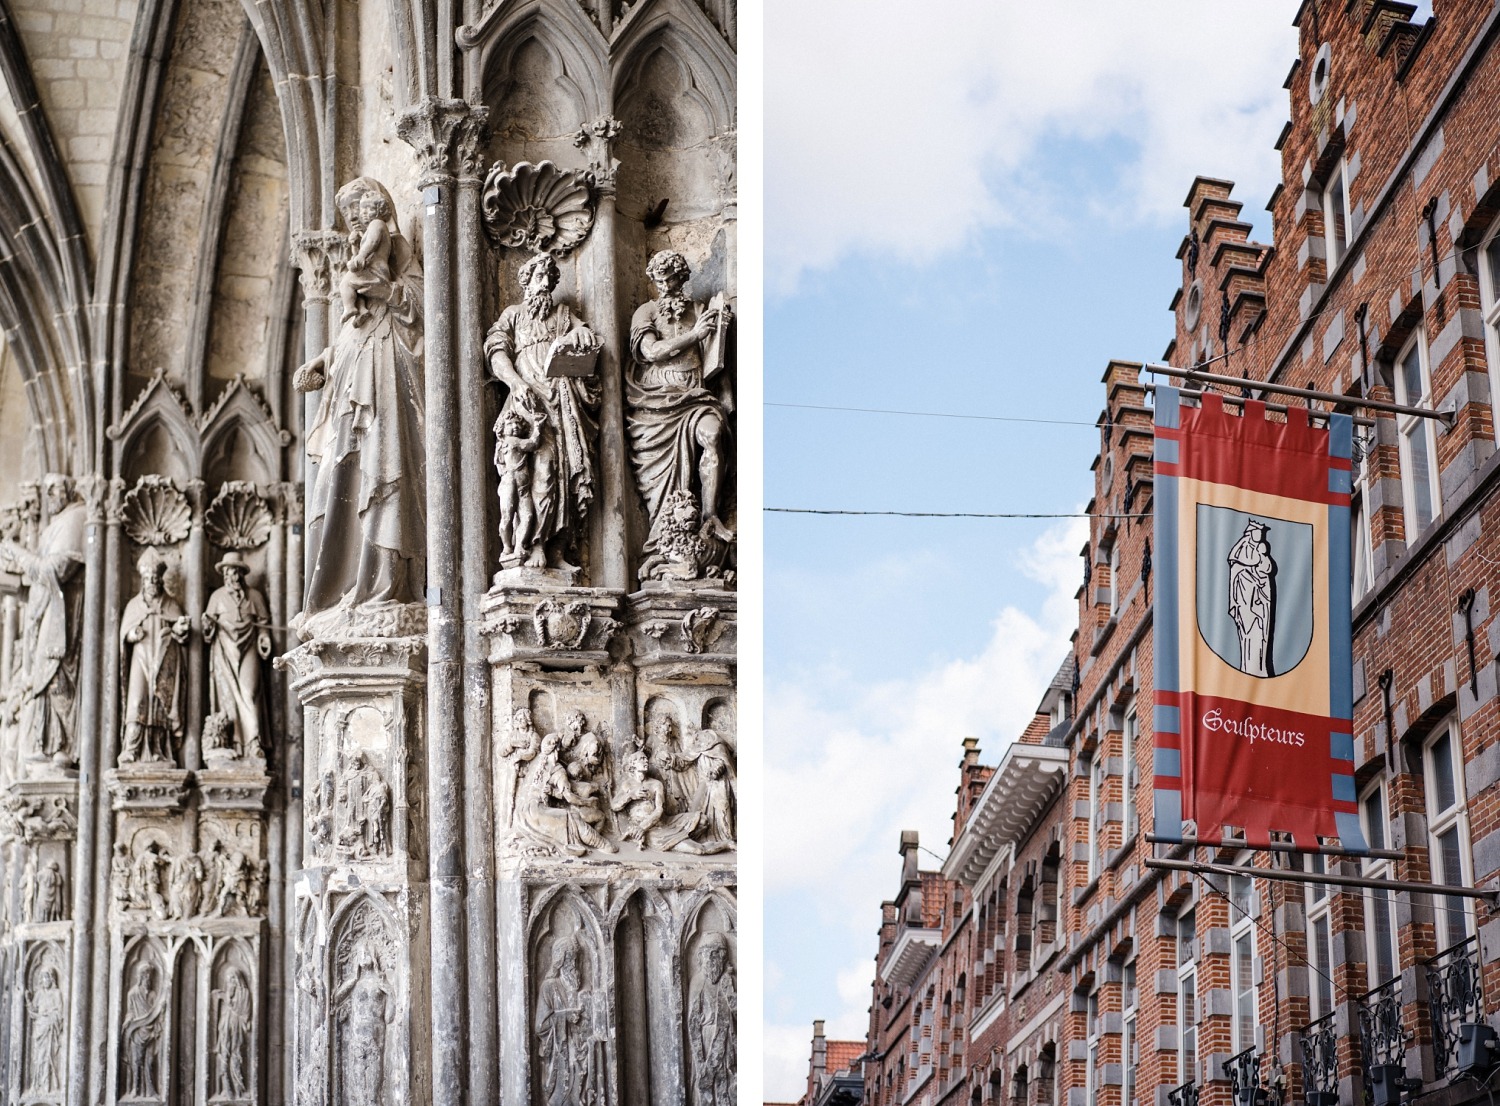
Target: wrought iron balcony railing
(1454, 993)
(1320, 1062)
(1243, 1072)
(1185, 1095)
(1382, 1040)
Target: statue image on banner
(367, 512)
(1252, 596)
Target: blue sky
(973, 213)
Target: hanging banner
(1254, 683)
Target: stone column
(436, 129)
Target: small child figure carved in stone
(368, 215)
(515, 459)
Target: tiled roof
(842, 1054)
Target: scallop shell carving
(539, 208)
(238, 518)
(156, 512)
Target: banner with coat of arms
(1254, 697)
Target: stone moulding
(355, 661)
(148, 788)
(677, 628)
(238, 518)
(156, 512)
(565, 627)
(539, 208)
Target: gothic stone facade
(1044, 964)
(367, 610)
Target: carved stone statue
(522, 746)
(365, 1010)
(153, 632)
(712, 804)
(231, 1022)
(121, 879)
(367, 512)
(188, 874)
(642, 801)
(237, 627)
(147, 880)
(570, 1039)
(362, 813)
(44, 1034)
(47, 904)
(679, 429)
(680, 547)
(236, 881)
(558, 804)
(711, 1024)
(546, 434)
(50, 636)
(141, 1034)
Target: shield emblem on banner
(1254, 584)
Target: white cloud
(849, 766)
(902, 129)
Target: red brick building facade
(1045, 964)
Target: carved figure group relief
(44, 891)
(143, 1032)
(42, 693)
(36, 818)
(43, 1070)
(237, 628)
(560, 790)
(366, 514)
(545, 437)
(572, 1029)
(220, 881)
(679, 400)
(361, 810)
(711, 1023)
(153, 637)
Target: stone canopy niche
(368, 623)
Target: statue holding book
(545, 437)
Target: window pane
(1492, 253)
(1382, 937)
(1333, 211)
(1411, 375)
(1360, 562)
(1442, 795)
(1186, 926)
(1375, 819)
(1239, 899)
(1456, 926)
(1187, 1021)
(1322, 962)
(1132, 1059)
(1421, 478)
(1244, 987)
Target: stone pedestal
(360, 1012)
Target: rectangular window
(1448, 829)
(1129, 1045)
(1091, 1075)
(1361, 574)
(1418, 438)
(1187, 998)
(1242, 961)
(1116, 585)
(1096, 813)
(1336, 216)
(1319, 940)
(1380, 917)
(1132, 773)
(1489, 302)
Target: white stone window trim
(1489, 302)
(1319, 74)
(1187, 984)
(1115, 590)
(1319, 904)
(1131, 735)
(1452, 818)
(1094, 1040)
(1374, 815)
(1362, 554)
(1337, 228)
(1129, 1031)
(1411, 430)
(1096, 814)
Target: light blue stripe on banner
(1166, 450)
(1341, 746)
(1343, 789)
(1166, 762)
(1164, 554)
(1340, 481)
(1340, 648)
(1166, 719)
(1168, 814)
(1168, 406)
(1351, 833)
(1340, 436)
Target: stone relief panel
(366, 512)
(141, 1062)
(232, 1025)
(560, 782)
(353, 813)
(710, 1011)
(368, 1062)
(41, 1028)
(571, 1016)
